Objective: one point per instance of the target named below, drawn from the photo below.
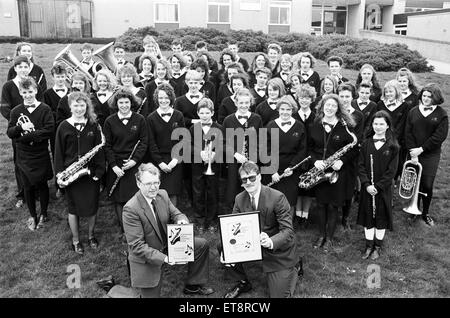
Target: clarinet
(371, 176)
(116, 182)
(142, 104)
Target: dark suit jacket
(146, 245)
(275, 219)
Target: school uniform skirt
(34, 166)
(82, 196)
(430, 164)
(172, 182)
(126, 187)
(289, 187)
(332, 193)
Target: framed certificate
(240, 237)
(180, 243)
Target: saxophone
(78, 169)
(315, 176)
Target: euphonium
(108, 61)
(208, 150)
(72, 63)
(315, 176)
(78, 169)
(409, 186)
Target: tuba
(409, 186)
(78, 168)
(108, 61)
(315, 176)
(72, 64)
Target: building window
(328, 19)
(166, 12)
(280, 13)
(400, 29)
(250, 5)
(373, 17)
(219, 11)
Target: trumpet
(24, 119)
(409, 186)
(208, 150)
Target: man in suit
(277, 238)
(145, 217)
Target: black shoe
(93, 243)
(376, 253)
(200, 230)
(242, 287)
(78, 248)
(212, 229)
(328, 246)
(198, 290)
(428, 221)
(367, 253)
(299, 267)
(319, 242)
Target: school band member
(75, 137)
(151, 47)
(305, 66)
(392, 102)
(259, 91)
(189, 58)
(378, 160)
(274, 53)
(328, 85)
(207, 145)
(279, 259)
(162, 75)
(286, 65)
(126, 143)
(291, 144)
(208, 88)
(225, 89)
(187, 104)
(201, 47)
(212, 63)
(128, 79)
(408, 87)
(119, 55)
(347, 93)
(228, 105)
(334, 64)
(52, 96)
(160, 125)
(104, 86)
(10, 98)
(32, 156)
(327, 136)
(268, 109)
(293, 84)
(177, 46)
(78, 83)
(368, 73)
(36, 72)
(249, 123)
(233, 46)
(426, 130)
(147, 64)
(306, 95)
(178, 65)
(364, 104)
(87, 62)
(260, 60)
(226, 58)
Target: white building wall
(430, 26)
(355, 18)
(9, 18)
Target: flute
(142, 104)
(293, 168)
(371, 176)
(116, 182)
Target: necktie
(405, 93)
(379, 139)
(60, 90)
(101, 94)
(242, 117)
(286, 123)
(327, 126)
(79, 126)
(253, 203)
(176, 73)
(390, 105)
(363, 103)
(272, 103)
(158, 221)
(260, 89)
(425, 108)
(166, 114)
(305, 75)
(125, 120)
(147, 76)
(206, 124)
(30, 106)
(284, 73)
(120, 62)
(194, 96)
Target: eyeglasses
(151, 184)
(250, 178)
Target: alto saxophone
(315, 176)
(78, 169)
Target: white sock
(305, 214)
(299, 213)
(369, 233)
(379, 234)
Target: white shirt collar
(36, 103)
(121, 116)
(307, 113)
(284, 128)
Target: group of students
(136, 107)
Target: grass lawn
(415, 261)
